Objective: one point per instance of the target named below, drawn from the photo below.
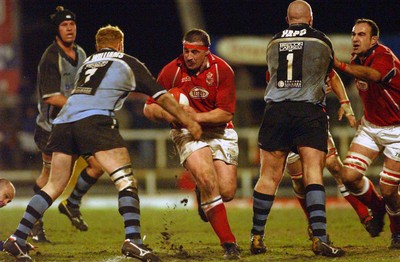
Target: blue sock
(129, 208)
(84, 183)
(262, 204)
(315, 200)
(35, 210)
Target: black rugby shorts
(41, 138)
(86, 136)
(287, 125)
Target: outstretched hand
(346, 110)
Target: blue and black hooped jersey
(55, 76)
(299, 60)
(103, 83)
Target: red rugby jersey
(381, 100)
(212, 88)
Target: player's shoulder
(50, 55)
(132, 61)
(51, 49)
(321, 36)
(222, 64)
(80, 49)
(383, 50)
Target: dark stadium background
(153, 30)
(153, 33)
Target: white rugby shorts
(222, 142)
(379, 137)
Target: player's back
(299, 59)
(104, 82)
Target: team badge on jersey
(186, 79)
(198, 93)
(209, 79)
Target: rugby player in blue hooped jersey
(57, 69)
(299, 60)
(87, 125)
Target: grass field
(177, 234)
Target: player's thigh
(61, 170)
(113, 159)
(200, 164)
(94, 168)
(271, 168)
(227, 178)
(313, 161)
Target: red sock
(373, 200)
(219, 221)
(359, 207)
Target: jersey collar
(358, 60)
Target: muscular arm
(361, 72)
(214, 117)
(345, 105)
(57, 100)
(155, 112)
(169, 104)
(338, 88)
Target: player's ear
(121, 46)
(374, 40)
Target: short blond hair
(109, 36)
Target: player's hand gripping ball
(179, 96)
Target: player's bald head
(299, 11)
(7, 192)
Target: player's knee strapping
(292, 157)
(123, 178)
(297, 185)
(297, 176)
(390, 177)
(357, 162)
(331, 152)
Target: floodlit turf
(179, 235)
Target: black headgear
(62, 15)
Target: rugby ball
(179, 96)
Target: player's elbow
(375, 76)
(228, 117)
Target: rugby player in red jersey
(208, 82)
(377, 73)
